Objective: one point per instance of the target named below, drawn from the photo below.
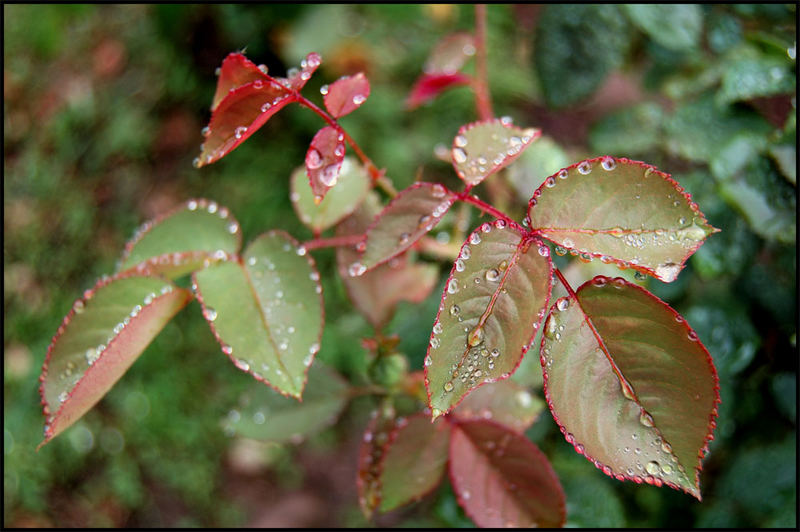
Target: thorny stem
(376, 174)
(488, 209)
(336, 241)
(481, 80)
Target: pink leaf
(347, 94)
(502, 479)
(236, 70)
(324, 161)
(429, 86)
(296, 79)
(100, 338)
(450, 54)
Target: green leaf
(338, 203)
(266, 311)
(482, 148)
(406, 219)
(539, 161)
(630, 384)
(623, 211)
(633, 130)
(785, 156)
(673, 26)
(492, 303)
(269, 416)
(576, 46)
(377, 292)
(505, 402)
(103, 334)
(749, 78)
(181, 241)
(502, 479)
(415, 459)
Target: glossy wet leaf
(630, 384)
(236, 70)
(407, 218)
(180, 241)
(622, 211)
(505, 402)
(493, 301)
(347, 94)
(758, 77)
(266, 311)
(450, 54)
(240, 114)
(415, 460)
(338, 203)
(376, 293)
(482, 148)
(268, 416)
(103, 334)
(324, 161)
(673, 26)
(298, 77)
(576, 47)
(429, 86)
(371, 453)
(502, 479)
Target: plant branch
(377, 175)
(481, 79)
(337, 241)
(564, 282)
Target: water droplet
(452, 286)
(562, 304)
(585, 168)
(495, 352)
(459, 155)
(666, 447)
(500, 224)
(437, 328)
(646, 419)
(544, 251)
(475, 336)
(356, 269)
(466, 253)
(560, 251)
(330, 175)
(358, 99)
(210, 314)
(455, 310)
(459, 265)
(434, 342)
(549, 182)
(492, 275)
(666, 469)
(608, 163)
(239, 131)
(653, 468)
(448, 386)
(227, 349)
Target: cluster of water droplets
(503, 147)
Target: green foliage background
(102, 112)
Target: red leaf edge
(429, 86)
(345, 85)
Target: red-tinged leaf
(429, 86)
(236, 70)
(100, 338)
(505, 402)
(502, 479)
(482, 148)
(183, 240)
(414, 461)
(266, 310)
(623, 211)
(407, 218)
(240, 114)
(450, 54)
(376, 293)
(346, 94)
(297, 78)
(370, 458)
(630, 384)
(492, 304)
(339, 202)
(324, 161)
(266, 415)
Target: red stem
(466, 197)
(565, 283)
(336, 241)
(481, 80)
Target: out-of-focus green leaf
(268, 416)
(786, 157)
(748, 78)
(450, 54)
(674, 26)
(622, 211)
(724, 32)
(179, 242)
(542, 158)
(502, 479)
(727, 333)
(699, 130)
(414, 461)
(575, 48)
(784, 390)
(630, 384)
(339, 202)
(735, 155)
(482, 148)
(266, 311)
(592, 501)
(631, 131)
(492, 304)
(103, 334)
(505, 402)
